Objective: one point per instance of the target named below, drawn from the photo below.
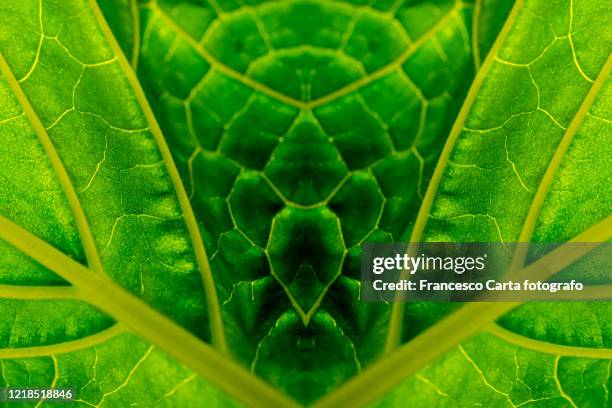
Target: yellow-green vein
(397, 314)
(38, 292)
(475, 33)
(65, 347)
(452, 330)
(136, 33)
(546, 347)
(82, 224)
(212, 301)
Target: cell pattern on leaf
(303, 129)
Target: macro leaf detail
(280, 114)
(185, 187)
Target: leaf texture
(536, 138)
(84, 169)
(524, 131)
(280, 114)
(297, 130)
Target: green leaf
(491, 372)
(531, 128)
(123, 18)
(488, 18)
(91, 182)
(118, 212)
(296, 131)
(280, 114)
(532, 149)
(113, 369)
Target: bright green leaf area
(103, 142)
(502, 375)
(120, 372)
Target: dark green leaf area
(236, 40)
(306, 74)
(309, 49)
(244, 41)
(374, 41)
(119, 17)
(359, 204)
(254, 204)
(352, 263)
(399, 178)
(493, 14)
(397, 104)
(303, 129)
(321, 355)
(306, 167)
(306, 251)
(210, 198)
(362, 322)
(237, 252)
(357, 132)
(252, 136)
(251, 310)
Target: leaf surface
(535, 147)
(123, 18)
(514, 376)
(89, 181)
(280, 114)
(248, 95)
(531, 128)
